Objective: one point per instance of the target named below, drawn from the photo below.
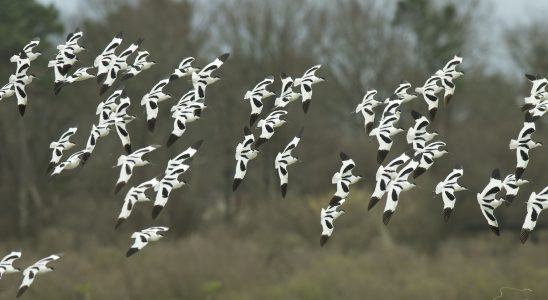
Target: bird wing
(125, 171)
(11, 257)
(214, 65)
(162, 195)
(241, 167)
(28, 278)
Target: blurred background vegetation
(253, 244)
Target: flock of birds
(391, 179)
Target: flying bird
(7, 90)
(447, 188)
(268, 124)
(181, 117)
(139, 65)
(151, 99)
(79, 75)
(384, 133)
(366, 109)
(128, 162)
(134, 195)
(201, 79)
(535, 205)
(308, 79)
(402, 92)
(30, 273)
(104, 60)
(184, 69)
(511, 186)
(427, 156)
(244, 153)
(488, 201)
(523, 144)
(327, 219)
(256, 96)
(429, 91)
(28, 49)
(121, 119)
(396, 187)
(58, 147)
(287, 95)
(20, 80)
(141, 238)
(447, 75)
(344, 177)
(118, 63)
(384, 176)
(417, 135)
(6, 264)
(72, 161)
(285, 159)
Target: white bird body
(139, 65)
(135, 195)
(7, 90)
(128, 162)
(38, 268)
(366, 109)
(447, 188)
(429, 91)
(267, 125)
(384, 133)
(285, 159)
(244, 153)
(327, 219)
(384, 176)
(344, 178)
(72, 161)
(201, 79)
(396, 187)
(6, 264)
(488, 201)
(511, 186)
(60, 146)
(184, 69)
(417, 135)
(143, 237)
(523, 144)
(151, 99)
(427, 155)
(256, 96)
(535, 205)
(308, 79)
(287, 95)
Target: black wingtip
(528, 117)
(509, 199)
(283, 188)
(495, 230)
(418, 172)
(372, 202)
(386, 216)
(21, 291)
(323, 240)
(416, 115)
(101, 77)
(531, 77)
(247, 131)
(300, 134)
(306, 105)
(496, 174)
(334, 200)
(432, 113)
(131, 251)
(381, 155)
(119, 222)
(171, 139)
(104, 88)
(22, 109)
(127, 76)
(283, 75)
(447, 214)
(224, 57)
(127, 148)
(156, 211)
(458, 166)
(85, 156)
(524, 235)
(151, 124)
(57, 87)
(173, 77)
(252, 119)
(197, 145)
(119, 35)
(259, 142)
(50, 167)
(368, 128)
(118, 187)
(139, 41)
(236, 184)
(519, 173)
(343, 156)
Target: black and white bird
(344, 177)
(395, 187)
(244, 153)
(184, 69)
(38, 268)
(20, 80)
(170, 180)
(141, 238)
(120, 120)
(181, 117)
(59, 147)
(128, 162)
(384, 176)
(117, 64)
(72, 161)
(384, 132)
(139, 65)
(6, 264)
(268, 124)
(256, 96)
(66, 57)
(287, 95)
(417, 135)
(79, 75)
(447, 75)
(72, 42)
(327, 219)
(285, 159)
(539, 110)
(134, 195)
(151, 99)
(366, 108)
(402, 92)
(538, 91)
(104, 60)
(28, 49)
(535, 205)
(201, 79)
(523, 144)
(308, 79)
(429, 91)
(511, 186)
(447, 188)
(7, 90)
(427, 155)
(488, 201)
